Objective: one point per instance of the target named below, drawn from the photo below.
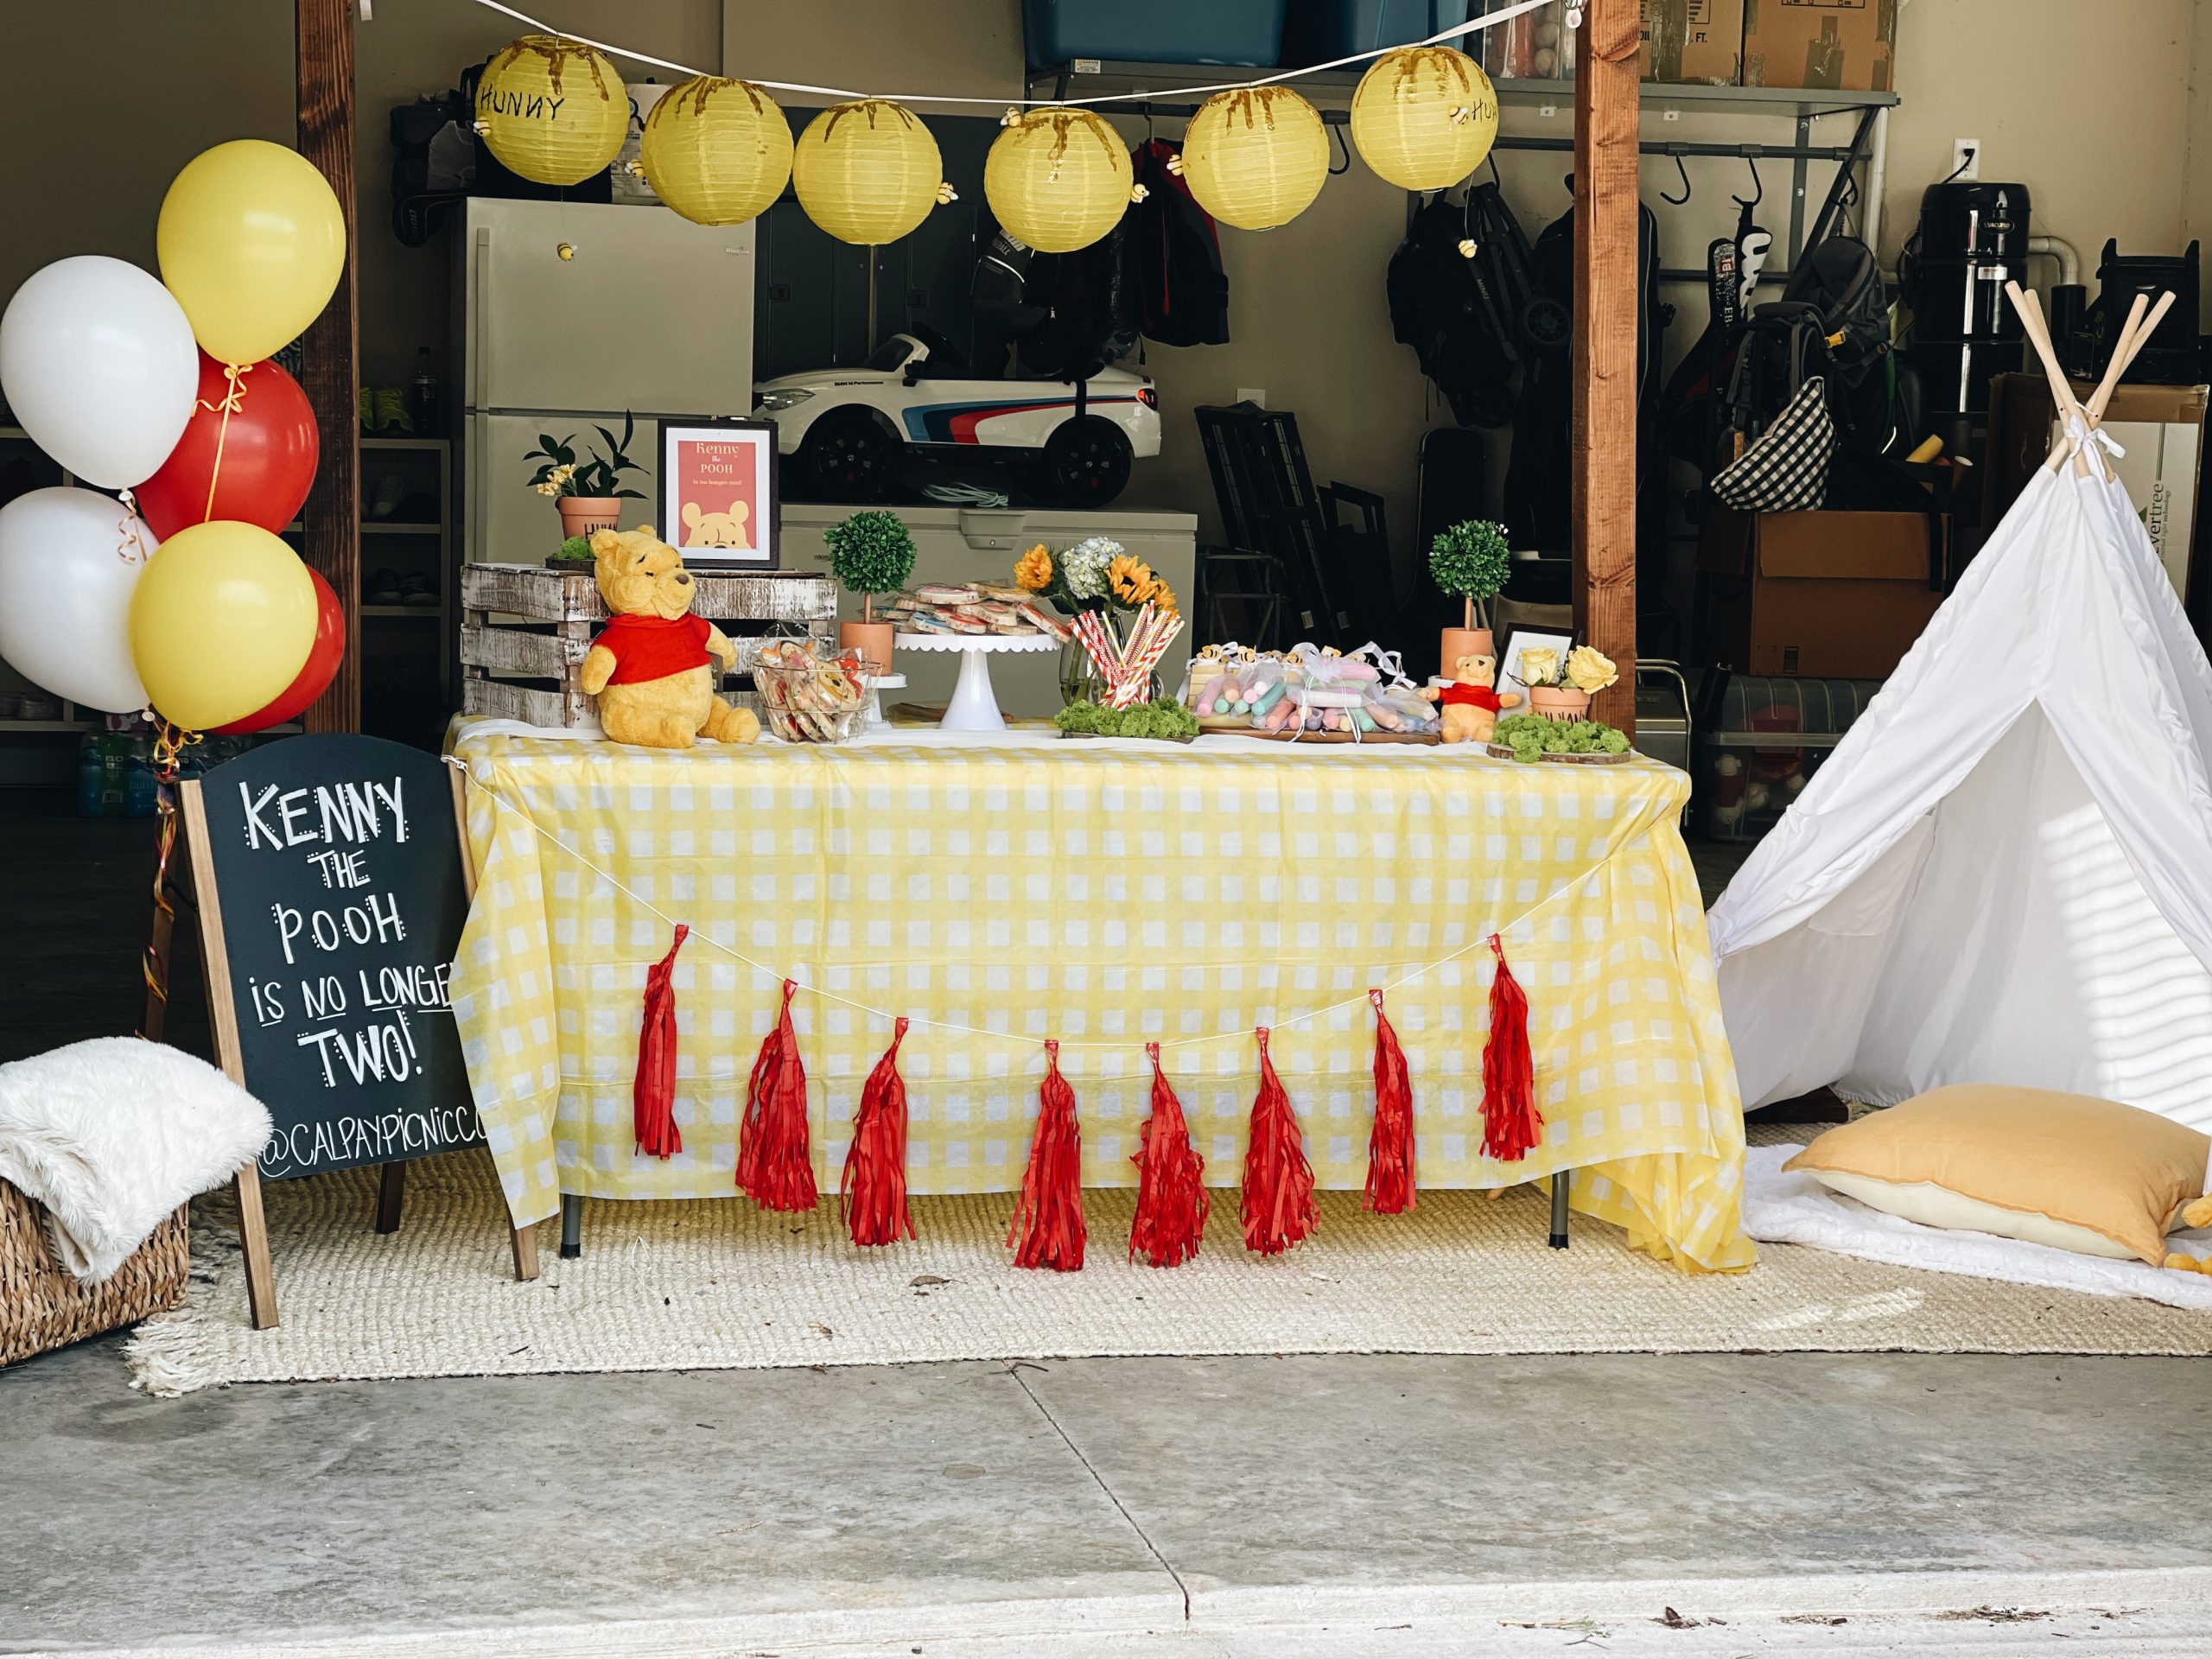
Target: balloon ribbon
(233, 401)
(170, 742)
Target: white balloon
(69, 560)
(99, 363)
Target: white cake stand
(975, 705)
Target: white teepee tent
(2003, 872)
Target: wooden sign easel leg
(524, 1238)
(253, 1240)
(223, 1022)
(391, 1192)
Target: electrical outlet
(1252, 394)
(1966, 158)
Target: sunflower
(1033, 569)
(1162, 597)
(1130, 578)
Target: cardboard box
(1838, 44)
(1693, 40)
(2162, 428)
(1835, 595)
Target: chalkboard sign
(334, 867)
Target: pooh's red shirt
(1474, 696)
(654, 647)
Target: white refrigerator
(569, 314)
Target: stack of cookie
(971, 607)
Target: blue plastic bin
(1241, 32)
(1317, 31)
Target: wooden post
(331, 356)
(1606, 306)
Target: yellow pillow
(2069, 1171)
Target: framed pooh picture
(718, 493)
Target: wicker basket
(43, 1307)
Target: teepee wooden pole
(2138, 335)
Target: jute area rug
(702, 1285)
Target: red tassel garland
(1277, 1181)
(1172, 1202)
(1510, 1122)
(874, 1184)
(1048, 1229)
(774, 1166)
(1390, 1145)
(653, 1096)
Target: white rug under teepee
(701, 1285)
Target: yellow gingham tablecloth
(1108, 894)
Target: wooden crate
(526, 628)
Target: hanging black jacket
(1174, 257)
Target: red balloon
(269, 453)
(316, 674)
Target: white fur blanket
(1795, 1209)
(113, 1135)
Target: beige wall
(2085, 101)
(2111, 127)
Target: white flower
(1539, 665)
(1082, 567)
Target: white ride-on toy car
(845, 433)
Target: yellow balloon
(1424, 116)
(1255, 158)
(252, 242)
(221, 621)
(717, 151)
(867, 172)
(1058, 179)
(553, 110)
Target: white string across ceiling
(1274, 77)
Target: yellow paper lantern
(717, 151)
(868, 172)
(1058, 179)
(554, 111)
(1255, 158)
(221, 621)
(1424, 116)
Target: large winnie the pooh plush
(653, 667)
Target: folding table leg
(572, 1226)
(1558, 1211)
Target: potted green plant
(1470, 559)
(870, 553)
(589, 492)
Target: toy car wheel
(1088, 462)
(847, 455)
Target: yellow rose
(1589, 669)
(1129, 579)
(1033, 569)
(1539, 665)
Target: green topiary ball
(871, 552)
(1471, 559)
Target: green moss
(1166, 719)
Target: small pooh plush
(652, 666)
(1469, 704)
(716, 529)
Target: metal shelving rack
(1805, 105)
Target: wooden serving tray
(1500, 751)
(1428, 740)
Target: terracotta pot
(871, 640)
(582, 514)
(1559, 702)
(1463, 642)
